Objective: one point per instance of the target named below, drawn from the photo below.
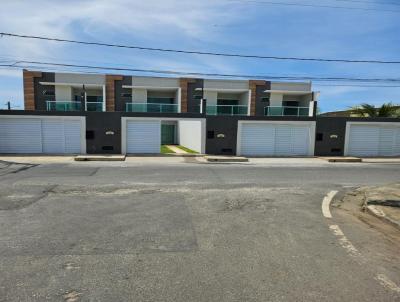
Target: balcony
(73, 106)
(227, 110)
(286, 111)
(63, 106)
(152, 107)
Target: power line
(315, 79)
(316, 5)
(359, 85)
(171, 72)
(370, 2)
(197, 52)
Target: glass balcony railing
(63, 106)
(94, 106)
(286, 111)
(227, 110)
(73, 106)
(151, 107)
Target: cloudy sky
(236, 26)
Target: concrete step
(114, 157)
(226, 159)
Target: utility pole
(8, 104)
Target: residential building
(88, 113)
(91, 92)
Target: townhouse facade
(69, 113)
(47, 91)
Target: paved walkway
(176, 149)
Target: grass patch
(187, 150)
(164, 149)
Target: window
(94, 98)
(291, 103)
(227, 102)
(160, 100)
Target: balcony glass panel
(227, 110)
(63, 106)
(94, 106)
(151, 107)
(286, 111)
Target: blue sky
(219, 25)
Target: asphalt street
(162, 229)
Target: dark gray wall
(40, 98)
(226, 125)
(103, 132)
(120, 101)
(261, 94)
(333, 135)
(193, 103)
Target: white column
(249, 102)
(104, 98)
(178, 95)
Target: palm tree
(368, 110)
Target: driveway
(173, 229)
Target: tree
(368, 110)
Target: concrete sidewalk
(162, 158)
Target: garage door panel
(373, 140)
(52, 136)
(40, 135)
(72, 132)
(20, 135)
(283, 140)
(397, 144)
(261, 139)
(143, 136)
(301, 141)
(258, 139)
(364, 140)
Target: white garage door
(40, 135)
(373, 140)
(143, 136)
(269, 139)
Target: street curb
(164, 155)
(341, 159)
(99, 158)
(371, 209)
(226, 159)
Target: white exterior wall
(276, 99)
(63, 93)
(75, 78)
(226, 84)
(244, 99)
(211, 97)
(156, 82)
(191, 132)
(191, 135)
(139, 95)
(291, 86)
